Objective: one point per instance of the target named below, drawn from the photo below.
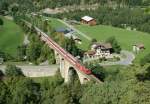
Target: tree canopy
(13, 71)
(1, 22)
(116, 47)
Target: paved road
(76, 30)
(124, 61)
(36, 71)
(129, 57)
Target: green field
(125, 38)
(54, 22)
(11, 36)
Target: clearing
(11, 36)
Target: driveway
(129, 57)
(36, 71)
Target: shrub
(145, 60)
(12, 70)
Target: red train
(84, 69)
(67, 55)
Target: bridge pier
(65, 68)
(57, 57)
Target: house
(69, 33)
(78, 40)
(50, 11)
(34, 14)
(89, 54)
(73, 36)
(100, 50)
(138, 47)
(88, 20)
(63, 30)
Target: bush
(1, 74)
(1, 22)
(116, 47)
(144, 76)
(12, 70)
(6, 56)
(98, 71)
(145, 60)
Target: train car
(83, 69)
(86, 71)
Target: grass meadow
(11, 36)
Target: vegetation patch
(11, 36)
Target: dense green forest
(41, 4)
(121, 85)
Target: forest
(126, 86)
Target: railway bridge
(68, 63)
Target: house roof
(90, 52)
(139, 45)
(87, 18)
(103, 45)
(51, 11)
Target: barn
(88, 20)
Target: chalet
(100, 50)
(88, 20)
(138, 47)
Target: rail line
(52, 44)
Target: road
(124, 61)
(129, 57)
(36, 71)
(76, 30)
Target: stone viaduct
(68, 63)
